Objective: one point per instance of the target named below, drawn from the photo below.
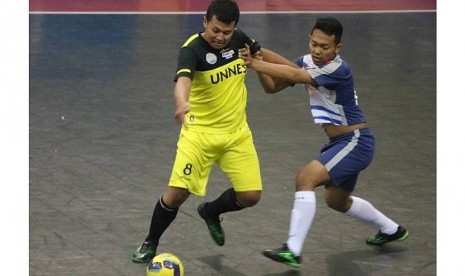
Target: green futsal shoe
(283, 255)
(213, 224)
(144, 253)
(380, 238)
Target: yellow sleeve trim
(194, 36)
(183, 71)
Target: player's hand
(181, 111)
(244, 53)
(258, 55)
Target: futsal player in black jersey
(211, 97)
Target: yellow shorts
(234, 153)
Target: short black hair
(225, 11)
(329, 26)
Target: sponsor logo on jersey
(227, 55)
(211, 58)
(228, 72)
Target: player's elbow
(269, 90)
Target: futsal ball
(165, 264)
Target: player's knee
(311, 176)
(303, 182)
(175, 197)
(248, 199)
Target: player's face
(323, 48)
(217, 33)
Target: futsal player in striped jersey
(351, 146)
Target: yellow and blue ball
(165, 264)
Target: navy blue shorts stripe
(345, 156)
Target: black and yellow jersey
(218, 94)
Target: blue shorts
(345, 156)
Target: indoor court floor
(102, 139)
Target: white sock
(365, 212)
(301, 219)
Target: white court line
(246, 12)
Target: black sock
(161, 219)
(227, 202)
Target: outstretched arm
(286, 72)
(273, 57)
(269, 84)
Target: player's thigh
(193, 163)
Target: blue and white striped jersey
(334, 100)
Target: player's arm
(181, 97)
(287, 73)
(269, 84)
(272, 85)
(281, 71)
(273, 57)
